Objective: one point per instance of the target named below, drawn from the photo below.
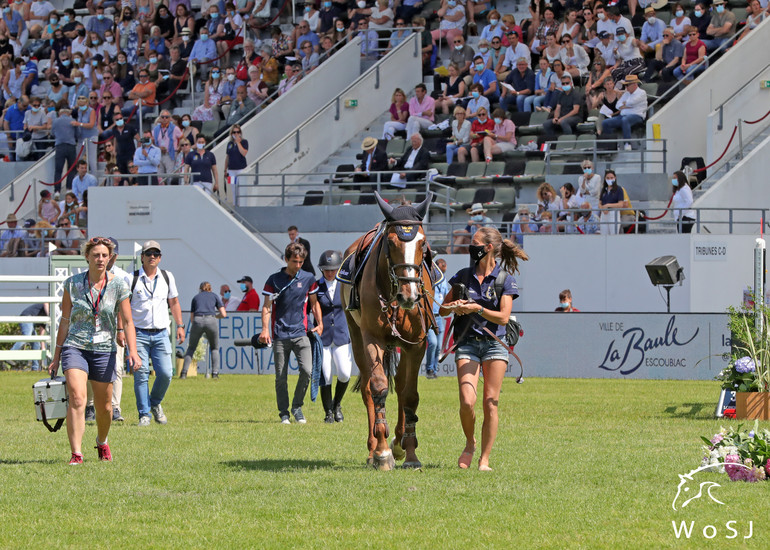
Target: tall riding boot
(339, 392)
(326, 401)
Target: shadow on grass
(278, 465)
(692, 411)
(11, 462)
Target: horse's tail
(389, 364)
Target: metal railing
(558, 150)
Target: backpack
(136, 278)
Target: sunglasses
(692, 34)
(101, 240)
(236, 131)
(93, 97)
(164, 116)
(152, 254)
(458, 41)
(106, 97)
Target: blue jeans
(451, 149)
(433, 353)
(532, 101)
(625, 122)
(689, 71)
(28, 329)
(155, 345)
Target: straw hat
(631, 79)
(477, 208)
(369, 143)
(11, 218)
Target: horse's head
(405, 246)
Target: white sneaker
(627, 147)
(285, 419)
(144, 420)
(157, 413)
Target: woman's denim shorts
(481, 349)
(99, 366)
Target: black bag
(513, 330)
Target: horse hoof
(413, 465)
(398, 451)
(385, 461)
(370, 461)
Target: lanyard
(89, 296)
(154, 286)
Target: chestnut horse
(395, 294)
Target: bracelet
(481, 312)
(121, 330)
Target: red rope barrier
(664, 212)
(22, 202)
(758, 120)
(735, 129)
(67, 173)
(277, 15)
(181, 81)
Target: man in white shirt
(153, 293)
(515, 51)
(606, 48)
(416, 158)
(632, 106)
(231, 303)
(613, 14)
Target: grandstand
(306, 143)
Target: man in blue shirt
(485, 77)
(13, 123)
(83, 180)
(99, 24)
(285, 325)
(652, 31)
(204, 49)
(147, 159)
(304, 33)
(435, 340)
(11, 240)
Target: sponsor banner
(577, 345)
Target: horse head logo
(686, 489)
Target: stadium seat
(313, 198)
(507, 222)
(565, 142)
(505, 198)
(514, 167)
(475, 170)
(209, 128)
(585, 142)
(535, 126)
(463, 196)
(395, 147)
(534, 172)
(440, 166)
(496, 168)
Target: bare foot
(484, 468)
(466, 456)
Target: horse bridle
(387, 303)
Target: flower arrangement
(749, 370)
(744, 456)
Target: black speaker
(664, 271)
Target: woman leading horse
(393, 310)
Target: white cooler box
(51, 401)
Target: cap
(603, 34)
(29, 222)
(715, 2)
(369, 143)
(620, 30)
(245, 279)
(149, 245)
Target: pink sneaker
(104, 452)
(76, 459)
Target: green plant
(735, 446)
(748, 342)
(7, 329)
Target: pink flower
(767, 467)
(736, 473)
(716, 439)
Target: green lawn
(578, 464)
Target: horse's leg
(378, 386)
(364, 367)
(409, 396)
(400, 380)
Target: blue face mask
(587, 170)
(214, 74)
(119, 123)
(327, 4)
(621, 38)
(675, 182)
(95, 42)
(66, 62)
(698, 13)
(679, 13)
(243, 287)
(185, 123)
(498, 121)
(479, 67)
(566, 87)
(477, 218)
(77, 80)
(226, 295)
(215, 15)
(204, 37)
(51, 109)
(475, 95)
(83, 107)
(65, 19)
(100, 16)
(565, 305)
(720, 9)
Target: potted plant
(749, 371)
(744, 456)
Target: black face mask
(81, 32)
(477, 252)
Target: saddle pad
(436, 275)
(347, 270)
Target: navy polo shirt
(289, 313)
(206, 303)
(235, 160)
(483, 294)
(201, 164)
(613, 195)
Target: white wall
(744, 185)
(40, 171)
(305, 98)
(608, 273)
(200, 240)
(750, 103)
(683, 121)
(322, 135)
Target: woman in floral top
(85, 343)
